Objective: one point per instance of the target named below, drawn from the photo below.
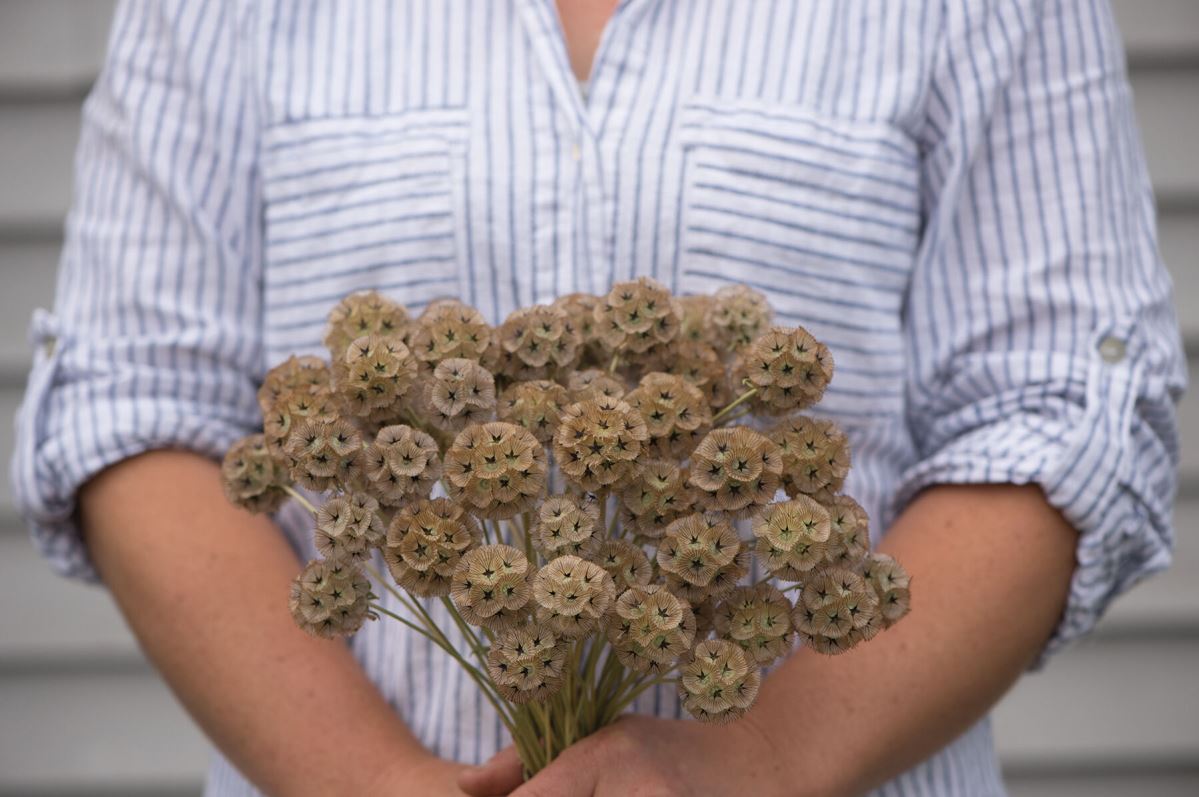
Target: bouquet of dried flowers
(596, 458)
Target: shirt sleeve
(1043, 346)
(155, 336)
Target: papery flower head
(448, 328)
(650, 627)
(626, 563)
(497, 470)
(695, 308)
(292, 409)
(572, 595)
(598, 443)
(567, 525)
(542, 337)
(793, 537)
(757, 618)
(815, 456)
(331, 599)
(360, 314)
(788, 367)
(325, 453)
(892, 585)
(536, 405)
(736, 469)
(251, 477)
(637, 315)
(850, 538)
(836, 610)
(717, 684)
(700, 365)
(491, 587)
(401, 465)
(295, 374)
(656, 496)
(676, 413)
(580, 312)
(737, 315)
(697, 547)
(592, 384)
(348, 527)
(458, 393)
(526, 663)
(425, 542)
(373, 374)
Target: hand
(642, 756)
(427, 777)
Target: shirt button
(1111, 349)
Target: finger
(497, 776)
(560, 779)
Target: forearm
(204, 586)
(991, 567)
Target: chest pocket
(820, 214)
(355, 204)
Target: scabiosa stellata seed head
(497, 470)
(459, 392)
(892, 585)
(635, 316)
(331, 599)
(251, 477)
(815, 456)
(491, 587)
(401, 465)
(295, 374)
(626, 563)
(567, 525)
(836, 610)
(572, 595)
(757, 618)
(676, 413)
(542, 337)
(598, 443)
(850, 537)
(789, 369)
(536, 405)
(655, 497)
(425, 542)
(793, 537)
(448, 328)
(717, 683)
(526, 663)
(650, 627)
(363, 313)
(325, 453)
(373, 374)
(737, 315)
(348, 527)
(735, 469)
(593, 384)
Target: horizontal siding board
(1156, 30)
(1146, 781)
(1167, 105)
(29, 270)
(1178, 233)
(51, 46)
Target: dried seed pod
(580, 313)
(401, 465)
(649, 627)
(735, 469)
(542, 337)
(567, 525)
(348, 527)
(325, 453)
(849, 541)
(676, 413)
(251, 477)
(292, 409)
(705, 617)
(295, 374)
(757, 618)
(363, 313)
(815, 456)
(535, 405)
(373, 374)
(598, 442)
(717, 684)
(626, 563)
(526, 663)
(490, 587)
(459, 393)
(738, 314)
(658, 495)
(425, 543)
(836, 610)
(497, 470)
(789, 369)
(331, 599)
(793, 537)
(892, 585)
(448, 328)
(696, 547)
(701, 365)
(695, 309)
(593, 384)
(637, 315)
(572, 595)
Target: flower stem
(744, 397)
(300, 499)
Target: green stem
(300, 499)
(744, 397)
(615, 362)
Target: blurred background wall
(81, 713)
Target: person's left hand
(642, 756)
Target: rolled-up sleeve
(1043, 345)
(154, 338)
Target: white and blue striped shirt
(950, 193)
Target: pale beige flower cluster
(580, 490)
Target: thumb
(499, 775)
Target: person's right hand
(428, 777)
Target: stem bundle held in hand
(596, 459)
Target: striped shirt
(951, 194)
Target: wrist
(777, 747)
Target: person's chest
(442, 147)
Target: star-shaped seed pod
(497, 470)
(572, 595)
(717, 684)
(593, 384)
(325, 453)
(401, 465)
(649, 627)
(637, 315)
(850, 538)
(567, 525)
(425, 542)
(697, 547)
(658, 495)
(580, 313)
(836, 610)
(251, 477)
(490, 587)
(448, 328)
(373, 374)
(788, 368)
(363, 313)
(736, 469)
(738, 314)
(793, 537)
(700, 365)
(526, 663)
(331, 599)
(626, 563)
(598, 443)
(815, 456)
(676, 413)
(292, 409)
(460, 392)
(695, 309)
(348, 527)
(535, 405)
(542, 337)
(757, 618)
(892, 585)
(295, 374)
